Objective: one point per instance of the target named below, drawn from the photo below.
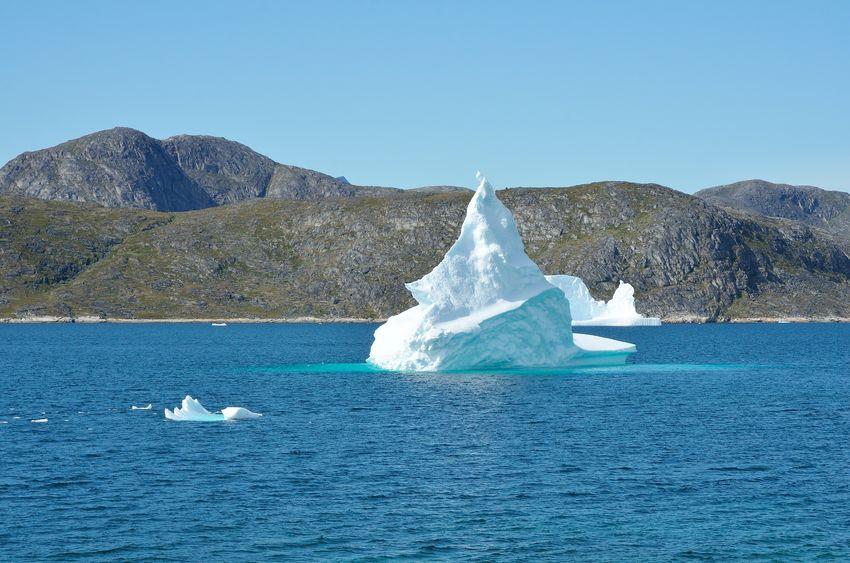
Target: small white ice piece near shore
(487, 305)
(193, 411)
(219, 324)
(147, 407)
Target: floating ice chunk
(239, 413)
(587, 311)
(192, 410)
(39, 420)
(486, 305)
(219, 324)
(4, 422)
(147, 407)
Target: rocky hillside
(825, 209)
(349, 257)
(123, 167)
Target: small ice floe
(192, 410)
(147, 407)
(4, 422)
(219, 324)
(239, 413)
(39, 420)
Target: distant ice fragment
(239, 413)
(587, 311)
(487, 305)
(219, 324)
(147, 407)
(39, 420)
(192, 410)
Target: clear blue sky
(686, 94)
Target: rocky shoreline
(353, 320)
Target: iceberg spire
(487, 305)
(486, 265)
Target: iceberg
(239, 413)
(192, 410)
(487, 305)
(147, 407)
(587, 311)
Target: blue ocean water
(716, 442)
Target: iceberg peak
(487, 265)
(587, 311)
(483, 185)
(486, 305)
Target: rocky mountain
(349, 257)
(816, 207)
(123, 167)
(115, 168)
(227, 171)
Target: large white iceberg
(487, 305)
(587, 311)
(192, 410)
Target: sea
(715, 442)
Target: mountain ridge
(117, 224)
(124, 167)
(828, 210)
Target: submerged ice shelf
(192, 410)
(587, 311)
(488, 305)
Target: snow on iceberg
(192, 410)
(587, 311)
(487, 305)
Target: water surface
(715, 442)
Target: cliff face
(227, 171)
(349, 257)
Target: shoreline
(356, 320)
(235, 320)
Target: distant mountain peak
(124, 167)
(810, 205)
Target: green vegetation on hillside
(349, 257)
